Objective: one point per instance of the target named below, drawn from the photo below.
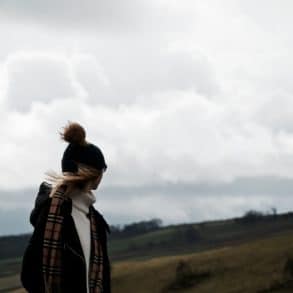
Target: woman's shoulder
(42, 201)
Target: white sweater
(80, 208)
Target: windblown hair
(73, 132)
(78, 179)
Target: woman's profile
(67, 251)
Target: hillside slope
(253, 267)
(257, 266)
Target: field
(256, 266)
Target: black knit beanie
(79, 150)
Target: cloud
(37, 77)
(155, 107)
(276, 17)
(183, 202)
(101, 16)
(133, 78)
(76, 13)
(43, 77)
(178, 93)
(172, 141)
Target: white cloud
(130, 77)
(38, 77)
(187, 91)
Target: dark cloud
(14, 221)
(110, 16)
(248, 186)
(182, 202)
(76, 13)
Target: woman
(68, 251)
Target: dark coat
(74, 267)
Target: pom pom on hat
(79, 150)
(73, 133)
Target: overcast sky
(190, 102)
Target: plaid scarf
(52, 248)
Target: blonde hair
(74, 180)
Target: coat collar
(99, 216)
(43, 197)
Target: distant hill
(147, 238)
(195, 237)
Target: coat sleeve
(31, 268)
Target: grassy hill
(258, 266)
(196, 237)
(245, 254)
